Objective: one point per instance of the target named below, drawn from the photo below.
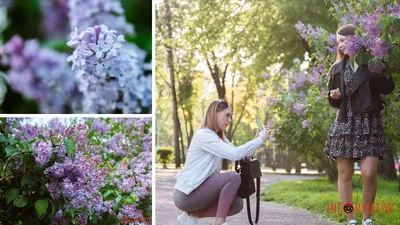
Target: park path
(271, 213)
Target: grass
(318, 194)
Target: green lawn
(319, 194)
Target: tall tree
(170, 65)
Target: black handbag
(248, 171)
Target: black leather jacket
(366, 92)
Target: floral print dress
(362, 135)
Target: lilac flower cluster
(332, 48)
(316, 72)
(6, 4)
(353, 45)
(306, 124)
(108, 69)
(42, 151)
(40, 74)
(55, 18)
(100, 126)
(78, 181)
(298, 80)
(135, 177)
(366, 18)
(87, 13)
(299, 108)
(131, 211)
(308, 32)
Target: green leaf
(70, 146)
(117, 203)
(11, 194)
(41, 137)
(54, 207)
(72, 212)
(59, 45)
(27, 180)
(131, 199)
(20, 201)
(41, 207)
(13, 141)
(28, 160)
(10, 151)
(3, 139)
(107, 193)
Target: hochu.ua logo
(377, 207)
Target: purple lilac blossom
(377, 67)
(308, 32)
(55, 18)
(100, 126)
(353, 45)
(107, 68)
(306, 124)
(42, 151)
(299, 109)
(88, 13)
(41, 74)
(299, 81)
(131, 212)
(78, 181)
(380, 48)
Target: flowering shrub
(75, 172)
(299, 94)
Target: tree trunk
(172, 82)
(182, 145)
(331, 169)
(386, 167)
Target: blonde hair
(210, 119)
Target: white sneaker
(367, 222)
(352, 222)
(185, 219)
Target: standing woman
(201, 190)
(357, 132)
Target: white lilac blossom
(88, 13)
(110, 71)
(40, 74)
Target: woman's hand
(335, 94)
(264, 133)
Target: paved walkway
(270, 212)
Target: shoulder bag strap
(258, 205)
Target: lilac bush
(301, 111)
(94, 170)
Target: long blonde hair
(210, 119)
